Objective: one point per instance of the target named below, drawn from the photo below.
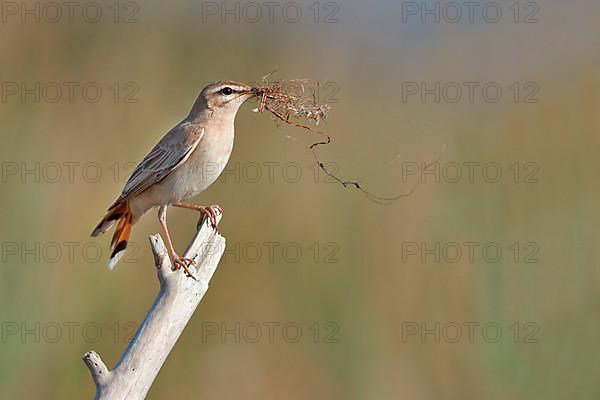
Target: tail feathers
(120, 214)
(120, 238)
(102, 227)
(113, 214)
(117, 254)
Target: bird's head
(226, 96)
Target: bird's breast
(207, 161)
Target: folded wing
(168, 154)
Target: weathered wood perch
(175, 303)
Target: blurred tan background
(356, 291)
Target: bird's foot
(211, 213)
(183, 263)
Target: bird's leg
(209, 211)
(178, 262)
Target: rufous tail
(120, 214)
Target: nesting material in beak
(291, 99)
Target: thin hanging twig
(287, 106)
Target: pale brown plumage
(187, 160)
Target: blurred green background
(356, 292)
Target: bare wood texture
(175, 303)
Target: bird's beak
(251, 90)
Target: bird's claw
(211, 213)
(184, 263)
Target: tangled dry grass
(293, 100)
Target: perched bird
(187, 160)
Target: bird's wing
(169, 153)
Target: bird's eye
(226, 91)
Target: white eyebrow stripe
(233, 87)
